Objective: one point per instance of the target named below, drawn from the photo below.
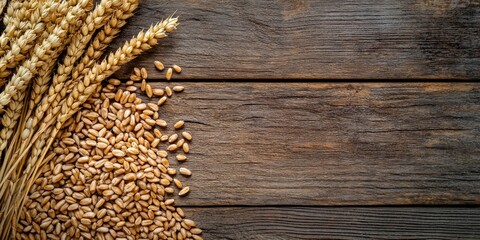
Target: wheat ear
(22, 15)
(104, 37)
(41, 83)
(11, 24)
(30, 65)
(93, 21)
(22, 78)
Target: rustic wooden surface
(302, 160)
(317, 39)
(309, 160)
(330, 144)
(338, 222)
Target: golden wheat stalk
(74, 51)
(143, 41)
(94, 21)
(103, 38)
(30, 65)
(22, 78)
(41, 83)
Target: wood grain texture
(338, 223)
(330, 144)
(316, 39)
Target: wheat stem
(28, 69)
(94, 21)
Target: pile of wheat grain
(50, 69)
(109, 175)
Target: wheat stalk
(104, 37)
(51, 42)
(25, 73)
(22, 45)
(143, 41)
(75, 49)
(40, 85)
(94, 21)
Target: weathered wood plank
(316, 39)
(337, 223)
(330, 144)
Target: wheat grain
(177, 68)
(184, 192)
(185, 171)
(179, 124)
(169, 73)
(158, 65)
(133, 190)
(187, 136)
(178, 88)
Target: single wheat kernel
(189, 222)
(144, 73)
(172, 171)
(137, 71)
(196, 231)
(164, 182)
(178, 183)
(172, 147)
(184, 191)
(173, 138)
(181, 157)
(162, 100)
(158, 92)
(118, 153)
(186, 148)
(179, 124)
(114, 81)
(143, 86)
(159, 65)
(169, 190)
(185, 171)
(178, 88)
(177, 68)
(131, 88)
(169, 73)
(149, 91)
(187, 136)
(180, 142)
(161, 123)
(168, 91)
(135, 78)
(169, 201)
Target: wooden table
(297, 133)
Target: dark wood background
(300, 132)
